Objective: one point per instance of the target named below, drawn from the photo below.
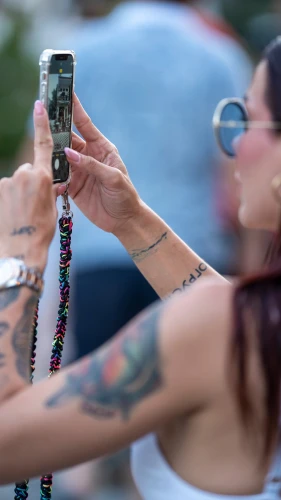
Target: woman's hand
(28, 201)
(100, 184)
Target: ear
(276, 188)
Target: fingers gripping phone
(57, 73)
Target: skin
(168, 370)
(255, 149)
(25, 234)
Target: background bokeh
(21, 22)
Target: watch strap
(31, 277)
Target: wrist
(132, 225)
(15, 273)
(36, 260)
(32, 259)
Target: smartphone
(57, 74)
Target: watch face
(9, 269)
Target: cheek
(251, 148)
(258, 208)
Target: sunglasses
(231, 120)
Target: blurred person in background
(158, 71)
(252, 244)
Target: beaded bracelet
(65, 226)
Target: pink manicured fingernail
(39, 108)
(73, 155)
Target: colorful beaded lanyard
(65, 227)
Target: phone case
(44, 63)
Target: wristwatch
(14, 272)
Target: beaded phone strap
(65, 226)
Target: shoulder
(210, 300)
(196, 328)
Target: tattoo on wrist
(115, 379)
(8, 296)
(141, 254)
(21, 338)
(202, 268)
(29, 230)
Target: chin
(255, 219)
(246, 219)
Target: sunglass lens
(232, 112)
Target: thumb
(92, 166)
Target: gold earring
(276, 187)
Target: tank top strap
(273, 479)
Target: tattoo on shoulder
(8, 296)
(141, 254)
(196, 274)
(21, 338)
(29, 230)
(114, 380)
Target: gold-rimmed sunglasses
(231, 119)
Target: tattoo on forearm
(141, 254)
(202, 268)
(8, 296)
(2, 360)
(4, 327)
(113, 381)
(21, 338)
(4, 380)
(29, 230)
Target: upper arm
(157, 368)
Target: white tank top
(156, 480)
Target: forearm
(167, 263)
(17, 306)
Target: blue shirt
(151, 85)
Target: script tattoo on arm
(8, 296)
(202, 268)
(21, 338)
(29, 230)
(113, 381)
(141, 254)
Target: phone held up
(57, 74)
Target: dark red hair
(257, 301)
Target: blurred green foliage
(240, 12)
(17, 89)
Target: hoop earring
(276, 188)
